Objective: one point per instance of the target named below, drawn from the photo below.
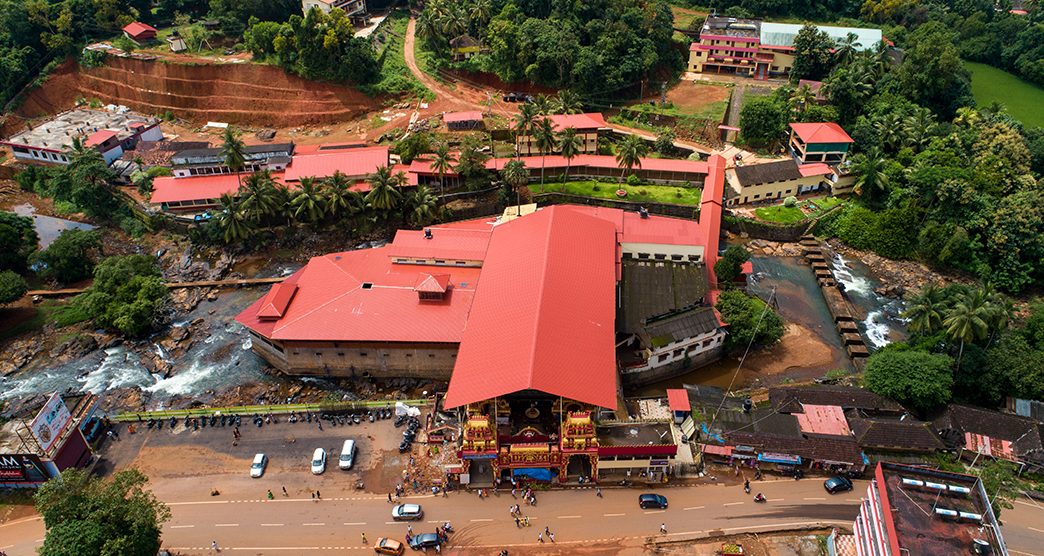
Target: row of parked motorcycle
(259, 420)
(412, 425)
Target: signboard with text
(49, 424)
(21, 468)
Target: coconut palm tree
(925, 310)
(968, 319)
(384, 193)
(567, 102)
(569, 144)
(340, 200)
(515, 174)
(871, 178)
(629, 153)
(890, 130)
(481, 10)
(428, 27)
(259, 197)
(542, 104)
(233, 151)
(846, 49)
(801, 98)
(309, 202)
(423, 206)
(455, 22)
(442, 163)
(232, 220)
(546, 138)
(919, 128)
(524, 123)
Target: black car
(646, 501)
(424, 540)
(836, 484)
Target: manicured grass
(790, 215)
(780, 213)
(1022, 100)
(709, 111)
(603, 190)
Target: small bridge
(172, 285)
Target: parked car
(424, 541)
(257, 467)
(407, 512)
(318, 461)
(388, 546)
(836, 484)
(347, 458)
(649, 500)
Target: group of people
(520, 520)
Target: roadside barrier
(264, 409)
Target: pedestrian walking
(270, 494)
(389, 498)
(116, 434)
(513, 490)
(598, 492)
(285, 493)
(551, 536)
(320, 425)
(663, 528)
(318, 496)
(214, 546)
(313, 496)
(518, 522)
(438, 549)
(540, 537)
(409, 529)
(547, 530)
(108, 433)
(364, 539)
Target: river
(48, 227)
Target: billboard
(50, 422)
(21, 468)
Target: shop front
(786, 464)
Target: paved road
(613, 524)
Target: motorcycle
(760, 498)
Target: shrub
(790, 201)
(596, 188)
(917, 379)
(12, 286)
(743, 313)
(633, 180)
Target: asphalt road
(581, 521)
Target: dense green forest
(597, 48)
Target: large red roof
(354, 163)
(362, 296)
(166, 189)
(534, 324)
(137, 28)
(603, 161)
(821, 132)
(468, 116)
(445, 244)
(591, 120)
(99, 137)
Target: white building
(355, 9)
(110, 133)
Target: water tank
(935, 486)
(943, 512)
(971, 516)
(913, 483)
(958, 489)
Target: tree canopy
(70, 257)
(748, 318)
(86, 516)
(921, 381)
(12, 286)
(18, 240)
(127, 295)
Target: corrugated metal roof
(357, 162)
(783, 34)
(821, 132)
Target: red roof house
(140, 32)
(822, 132)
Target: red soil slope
(244, 94)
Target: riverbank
(897, 278)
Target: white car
(318, 461)
(257, 467)
(407, 512)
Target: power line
(750, 343)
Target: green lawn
(59, 313)
(602, 190)
(790, 215)
(1022, 100)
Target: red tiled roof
(823, 419)
(432, 283)
(166, 189)
(821, 132)
(425, 166)
(747, 267)
(678, 399)
(814, 169)
(533, 324)
(362, 296)
(354, 163)
(99, 137)
(604, 161)
(710, 214)
(276, 301)
(590, 120)
(469, 116)
(445, 243)
(136, 28)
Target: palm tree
(871, 177)
(423, 206)
(340, 200)
(542, 104)
(384, 193)
(428, 25)
(233, 152)
(801, 98)
(925, 310)
(481, 10)
(569, 144)
(967, 320)
(524, 123)
(515, 174)
(845, 50)
(567, 102)
(545, 138)
(259, 196)
(455, 22)
(442, 163)
(308, 202)
(918, 128)
(629, 153)
(890, 129)
(232, 220)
